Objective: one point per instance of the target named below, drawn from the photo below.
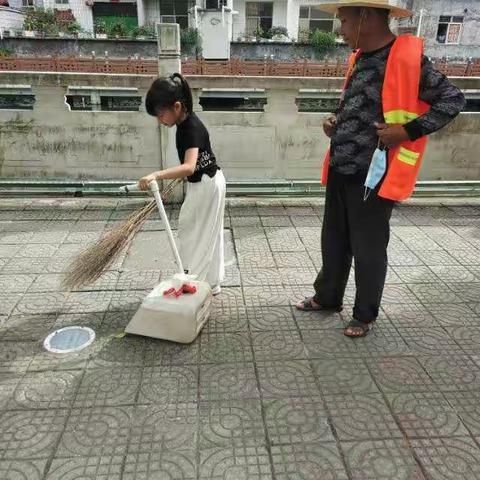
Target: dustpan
(170, 312)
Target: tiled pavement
(266, 392)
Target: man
(392, 99)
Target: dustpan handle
(161, 209)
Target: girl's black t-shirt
(192, 133)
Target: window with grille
(103, 99)
(312, 18)
(175, 11)
(61, 2)
(16, 97)
(449, 29)
(215, 4)
(28, 3)
(259, 15)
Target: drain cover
(69, 339)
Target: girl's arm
(180, 171)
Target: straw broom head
(93, 262)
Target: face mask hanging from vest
(378, 167)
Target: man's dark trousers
(358, 228)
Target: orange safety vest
(400, 104)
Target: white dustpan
(178, 319)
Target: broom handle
(161, 209)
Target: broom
(93, 262)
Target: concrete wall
(81, 47)
(11, 18)
(280, 143)
(469, 45)
(284, 51)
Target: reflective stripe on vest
(408, 156)
(400, 116)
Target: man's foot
(310, 305)
(216, 290)
(357, 329)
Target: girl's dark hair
(164, 92)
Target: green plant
(117, 30)
(100, 27)
(304, 35)
(190, 37)
(40, 20)
(258, 32)
(73, 28)
(6, 52)
(322, 41)
(277, 31)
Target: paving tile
(96, 431)
(453, 314)
(467, 292)
(8, 302)
(448, 458)
(227, 319)
(343, 376)
(372, 419)
(159, 352)
(396, 374)
(157, 428)
(117, 352)
(19, 265)
(409, 315)
(239, 462)
(41, 303)
(16, 283)
(437, 293)
(286, 379)
(166, 464)
(466, 405)
(22, 469)
(230, 423)
(308, 462)
(429, 341)
(297, 420)
(226, 348)
(30, 433)
(453, 372)
(426, 415)
(467, 337)
(278, 345)
(27, 327)
(15, 357)
(381, 460)
(270, 319)
(169, 384)
(416, 274)
(261, 277)
(95, 467)
(318, 320)
(109, 386)
(45, 390)
(228, 382)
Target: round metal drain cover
(69, 339)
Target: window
(449, 30)
(28, 3)
(215, 4)
(175, 11)
(16, 97)
(312, 18)
(103, 99)
(61, 2)
(259, 15)
(227, 100)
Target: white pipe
(420, 21)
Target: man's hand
(144, 182)
(392, 134)
(329, 125)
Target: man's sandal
(306, 305)
(357, 329)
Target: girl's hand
(144, 182)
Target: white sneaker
(216, 290)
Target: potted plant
(29, 24)
(141, 33)
(191, 41)
(278, 34)
(117, 30)
(322, 41)
(100, 30)
(258, 34)
(73, 28)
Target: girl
(201, 216)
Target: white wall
(11, 18)
(82, 13)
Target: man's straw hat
(395, 11)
